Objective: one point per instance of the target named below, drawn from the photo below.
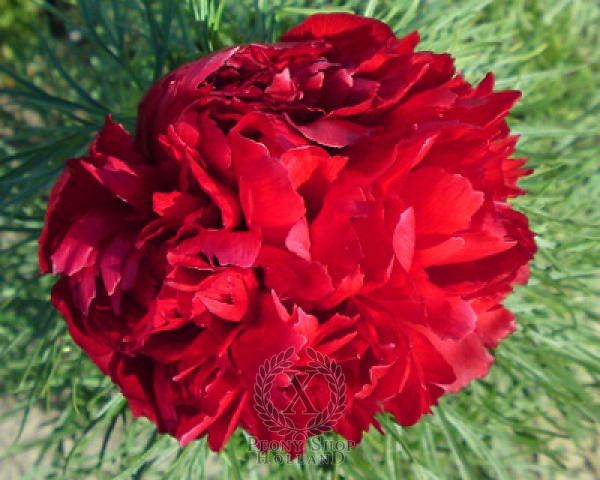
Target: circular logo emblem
(299, 417)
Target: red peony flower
(336, 190)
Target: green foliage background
(15, 20)
(538, 412)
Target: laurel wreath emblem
(279, 423)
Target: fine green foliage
(535, 416)
(15, 24)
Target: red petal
(298, 239)
(404, 239)
(214, 146)
(223, 197)
(329, 26)
(443, 203)
(348, 286)
(229, 248)
(334, 333)
(226, 424)
(94, 345)
(49, 234)
(266, 194)
(131, 184)
(449, 316)
(170, 95)
(226, 397)
(468, 357)
(293, 277)
(175, 205)
(113, 140)
(83, 238)
(333, 132)
(301, 163)
(111, 261)
(272, 333)
(494, 325)
(466, 247)
(334, 240)
(282, 87)
(226, 295)
(412, 402)
(387, 161)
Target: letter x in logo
(299, 385)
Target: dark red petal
(130, 184)
(114, 141)
(83, 238)
(329, 26)
(167, 97)
(223, 197)
(214, 146)
(175, 205)
(91, 342)
(112, 259)
(48, 236)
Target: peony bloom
(336, 191)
